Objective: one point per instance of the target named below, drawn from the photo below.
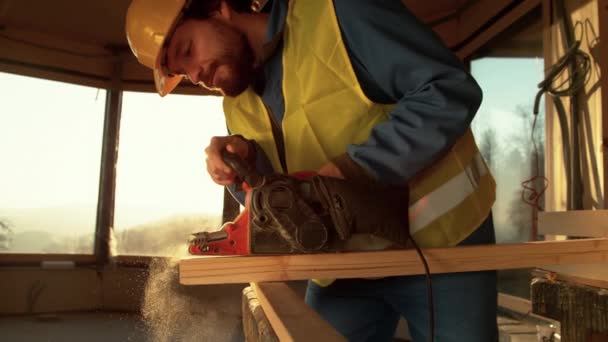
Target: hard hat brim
(164, 83)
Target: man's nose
(192, 74)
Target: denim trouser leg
(368, 310)
(358, 314)
(465, 307)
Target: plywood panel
(34, 290)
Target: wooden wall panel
(24, 291)
(590, 142)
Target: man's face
(211, 53)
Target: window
(504, 132)
(163, 191)
(508, 70)
(50, 152)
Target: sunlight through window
(163, 191)
(50, 150)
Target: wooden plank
(595, 275)
(496, 28)
(290, 317)
(239, 269)
(584, 223)
(603, 65)
(555, 198)
(256, 326)
(590, 102)
(513, 303)
(521, 306)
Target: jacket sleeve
(398, 59)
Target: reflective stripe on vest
(447, 196)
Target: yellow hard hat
(148, 24)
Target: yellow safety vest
(326, 110)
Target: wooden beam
(478, 14)
(290, 317)
(239, 269)
(583, 223)
(554, 196)
(499, 26)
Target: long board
(245, 269)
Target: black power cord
(429, 291)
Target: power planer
(305, 213)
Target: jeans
(369, 309)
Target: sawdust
(173, 312)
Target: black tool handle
(244, 171)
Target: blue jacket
(397, 59)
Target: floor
(112, 326)
(91, 327)
(101, 327)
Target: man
(355, 89)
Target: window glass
(50, 152)
(511, 138)
(163, 191)
(504, 132)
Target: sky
(51, 134)
(506, 83)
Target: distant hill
(72, 229)
(45, 242)
(164, 237)
(58, 220)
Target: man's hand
(330, 170)
(221, 173)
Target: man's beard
(240, 62)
